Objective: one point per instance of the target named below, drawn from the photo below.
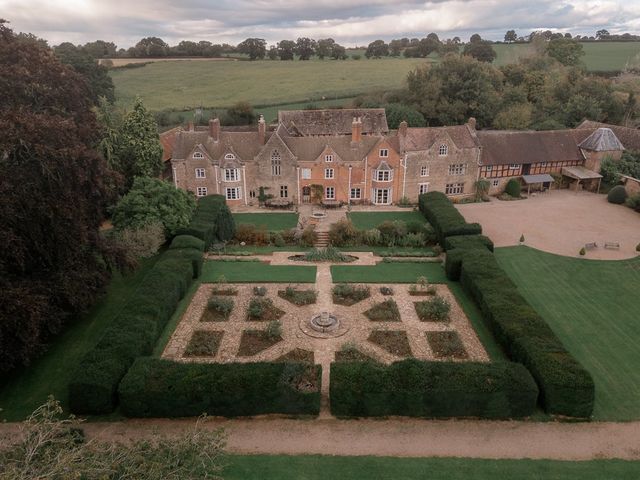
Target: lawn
(270, 221)
(404, 272)
(368, 220)
(50, 374)
(315, 467)
(593, 306)
(256, 272)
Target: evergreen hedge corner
(468, 242)
(446, 220)
(187, 241)
(212, 221)
(414, 388)
(156, 387)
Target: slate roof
(423, 138)
(602, 140)
(629, 137)
(245, 144)
(334, 121)
(308, 149)
(501, 147)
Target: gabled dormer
(328, 157)
(199, 153)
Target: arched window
(444, 149)
(276, 163)
(198, 155)
(229, 156)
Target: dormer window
(328, 158)
(384, 152)
(383, 175)
(229, 156)
(198, 155)
(443, 150)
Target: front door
(526, 168)
(306, 194)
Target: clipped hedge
(155, 387)
(187, 241)
(444, 217)
(566, 388)
(468, 241)
(133, 332)
(212, 221)
(416, 388)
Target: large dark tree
(305, 47)
(256, 48)
(377, 49)
(53, 185)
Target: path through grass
(256, 272)
(594, 307)
(368, 220)
(51, 373)
(315, 467)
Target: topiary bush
(617, 195)
(513, 188)
(432, 389)
(156, 387)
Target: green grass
(270, 221)
(368, 220)
(51, 373)
(594, 307)
(257, 272)
(388, 273)
(315, 467)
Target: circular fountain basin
(323, 325)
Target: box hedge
(187, 241)
(416, 388)
(211, 222)
(133, 332)
(444, 217)
(155, 387)
(566, 388)
(468, 241)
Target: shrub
(617, 195)
(308, 237)
(434, 310)
(468, 242)
(298, 297)
(348, 294)
(274, 329)
(513, 188)
(142, 242)
(638, 248)
(393, 231)
(372, 237)
(327, 254)
(277, 240)
(582, 251)
(386, 291)
(187, 241)
(204, 222)
(221, 305)
(156, 387)
(634, 202)
(343, 233)
(256, 308)
(444, 217)
(496, 390)
(386, 311)
(263, 309)
(260, 291)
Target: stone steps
(322, 240)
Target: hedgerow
(432, 389)
(444, 217)
(212, 221)
(161, 388)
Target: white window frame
(333, 193)
(495, 182)
(454, 189)
(231, 192)
(424, 170)
(201, 192)
(284, 189)
(379, 175)
(489, 168)
(514, 166)
(384, 153)
(329, 174)
(458, 169)
(328, 158)
(229, 156)
(443, 150)
(423, 188)
(355, 193)
(201, 173)
(197, 155)
(276, 163)
(231, 174)
(375, 196)
(305, 173)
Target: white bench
(612, 245)
(590, 246)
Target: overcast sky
(350, 22)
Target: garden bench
(612, 245)
(590, 246)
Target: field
(593, 306)
(368, 220)
(183, 85)
(50, 374)
(256, 272)
(270, 221)
(283, 467)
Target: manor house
(348, 156)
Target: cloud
(350, 22)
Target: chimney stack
(214, 129)
(472, 123)
(262, 130)
(191, 126)
(402, 129)
(356, 130)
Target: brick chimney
(190, 126)
(356, 130)
(262, 130)
(472, 123)
(402, 128)
(214, 129)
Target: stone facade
(314, 162)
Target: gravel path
(397, 437)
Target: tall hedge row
(432, 389)
(566, 388)
(212, 221)
(444, 217)
(155, 387)
(133, 332)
